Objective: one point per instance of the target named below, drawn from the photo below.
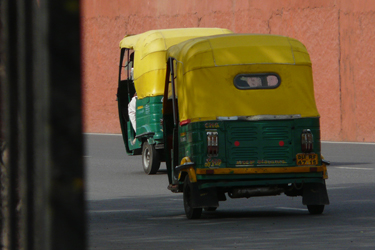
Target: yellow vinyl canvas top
(207, 66)
(149, 55)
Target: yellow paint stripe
(185, 160)
(325, 173)
(275, 170)
(192, 175)
(191, 172)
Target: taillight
(307, 141)
(185, 122)
(212, 143)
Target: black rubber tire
(150, 159)
(191, 213)
(315, 209)
(210, 209)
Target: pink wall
(339, 36)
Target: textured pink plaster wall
(339, 36)
(357, 38)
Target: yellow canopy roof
(237, 49)
(207, 67)
(149, 55)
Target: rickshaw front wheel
(191, 213)
(315, 209)
(150, 159)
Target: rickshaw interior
(126, 89)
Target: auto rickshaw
(240, 120)
(142, 76)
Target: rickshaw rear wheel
(315, 209)
(191, 213)
(150, 159)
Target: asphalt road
(127, 209)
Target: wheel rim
(146, 158)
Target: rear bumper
(261, 170)
(202, 184)
(269, 176)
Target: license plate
(307, 159)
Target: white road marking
(167, 218)
(343, 142)
(291, 208)
(355, 168)
(331, 188)
(116, 211)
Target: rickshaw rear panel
(247, 143)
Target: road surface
(127, 209)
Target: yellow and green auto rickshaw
(240, 120)
(141, 87)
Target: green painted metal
(259, 176)
(248, 142)
(148, 115)
(271, 143)
(259, 183)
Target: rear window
(257, 81)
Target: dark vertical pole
(25, 117)
(43, 124)
(67, 203)
(27, 82)
(1, 91)
(2, 145)
(9, 9)
(42, 133)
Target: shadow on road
(159, 222)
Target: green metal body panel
(249, 144)
(259, 176)
(148, 115)
(239, 183)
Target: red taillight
(307, 141)
(185, 122)
(212, 144)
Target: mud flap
(203, 198)
(315, 194)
